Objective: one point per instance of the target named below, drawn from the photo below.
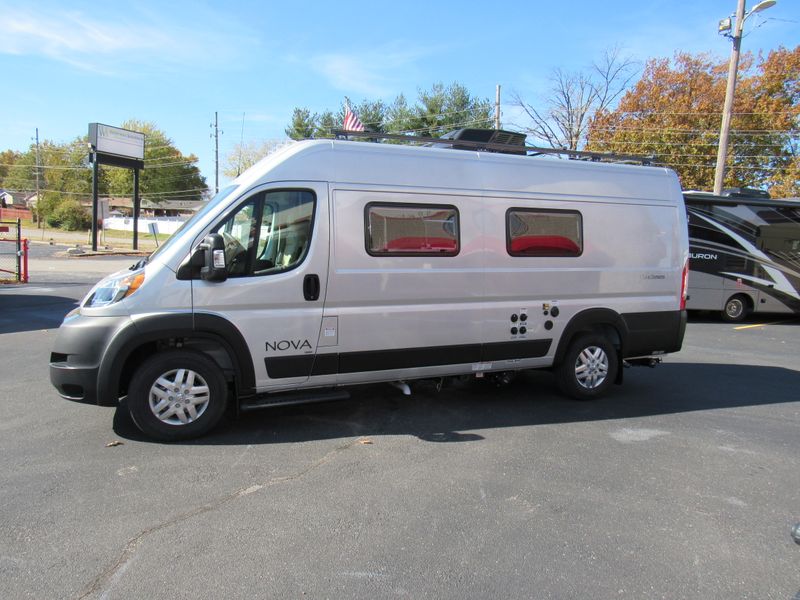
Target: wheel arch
(210, 334)
(593, 320)
(749, 300)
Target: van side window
(542, 232)
(269, 233)
(411, 229)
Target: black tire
(736, 309)
(589, 367)
(190, 409)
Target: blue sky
(66, 64)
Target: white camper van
(333, 263)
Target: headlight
(114, 289)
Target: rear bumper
(654, 333)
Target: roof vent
(486, 136)
(745, 192)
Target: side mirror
(213, 252)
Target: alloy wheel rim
(734, 308)
(179, 397)
(591, 367)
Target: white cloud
(372, 72)
(109, 46)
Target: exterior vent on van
(487, 136)
(745, 192)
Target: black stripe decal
(326, 364)
(512, 350)
(280, 367)
(407, 358)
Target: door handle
(311, 287)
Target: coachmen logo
(289, 344)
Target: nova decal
(282, 345)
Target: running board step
(289, 398)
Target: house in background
(6, 199)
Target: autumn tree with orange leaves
(674, 112)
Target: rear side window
(411, 229)
(532, 232)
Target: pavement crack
(100, 584)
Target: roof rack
(460, 143)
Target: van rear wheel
(735, 309)
(589, 367)
(177, 395)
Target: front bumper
(77, 355)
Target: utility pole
(730, 90)
(216, 133)
(722, 151)
(38, 170)
(497, 108)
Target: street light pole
(733, 67)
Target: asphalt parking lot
(683, 483)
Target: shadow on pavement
(30, 312)
(460, 412)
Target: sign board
(119, 142)
(153, 228)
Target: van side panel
(401, 312)
(631, 263)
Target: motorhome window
(531, 232)
(411, 229)
(269, 233)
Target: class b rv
(333, 263)
(744, 254)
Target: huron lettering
(287, 344)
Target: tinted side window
(531, 232)
(270, 233)
(411, 229)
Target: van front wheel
(589, 367)
(177, 395)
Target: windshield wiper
(139, 264)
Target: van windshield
(208, 207)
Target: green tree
(442, 109)
(70, 215)
(372, 114)
(399, 116)
(326, 123)
(7, 160)
(439, 110)
(302, 125)
(63, 174)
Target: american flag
(351, 121)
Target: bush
(70, 215)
